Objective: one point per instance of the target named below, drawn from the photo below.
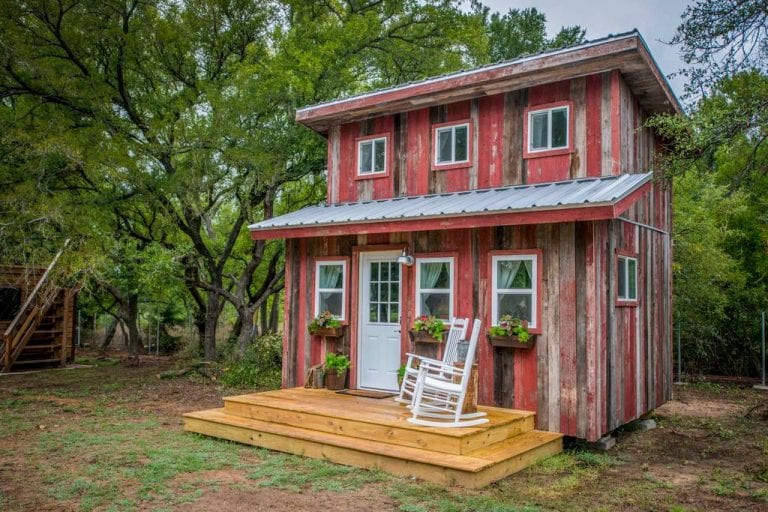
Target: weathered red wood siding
(596, 365)
(608, 138)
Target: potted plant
(325, 324)
(427, 329)
(336, 366)
(511, 332)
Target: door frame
(355, 318)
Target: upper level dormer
(559, 115)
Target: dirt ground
(109, 437)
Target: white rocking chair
(442, 399)
(456, 333)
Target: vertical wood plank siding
(596, 365)
(608, 138)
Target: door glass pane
(560, 128)
(539, 128)
(394, 316)
(384, 292)
(366, 150)
(460, 144)
(516, 304)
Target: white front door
(379, 317)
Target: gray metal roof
(588, 192)
(485, 67)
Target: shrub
(259, 367)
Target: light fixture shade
(405, 258)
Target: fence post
(679, 355)
(762, 353)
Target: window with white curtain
(434, 287)
(514, 287)
(330, 289)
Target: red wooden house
(526, 188)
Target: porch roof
(599, 198)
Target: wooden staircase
(36, 335)
(374, 434)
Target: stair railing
(29, 316)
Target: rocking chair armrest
(432, 366)
(421, 358)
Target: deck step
(476, 469)
(380, 420)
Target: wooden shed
(524, 188)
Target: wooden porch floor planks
(374, 434)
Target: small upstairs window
(372, 156)
(548, 129)
(627, 279)
(452, 144)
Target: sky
(655, 19)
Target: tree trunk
(129, 313)
(109, 335)
(263, 318)
(246, 329)
(274, 314)
(211, 323)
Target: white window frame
(534, 290)
(372, 141)
(549, 111)
(451, 290)
(452, 129)
(318, 290)
(623, 295)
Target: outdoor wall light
(405, 258)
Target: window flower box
(511, 342)
(328, 332)
(424, 337)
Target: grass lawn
(110, 438)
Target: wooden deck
(373, 433)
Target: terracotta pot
(511, 342)
(335, 380)
(424, 337)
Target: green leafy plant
(509, 326)
(434, 326)
(324, 320)
(337, 363)
(401, 373)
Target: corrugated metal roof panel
(544, 196)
